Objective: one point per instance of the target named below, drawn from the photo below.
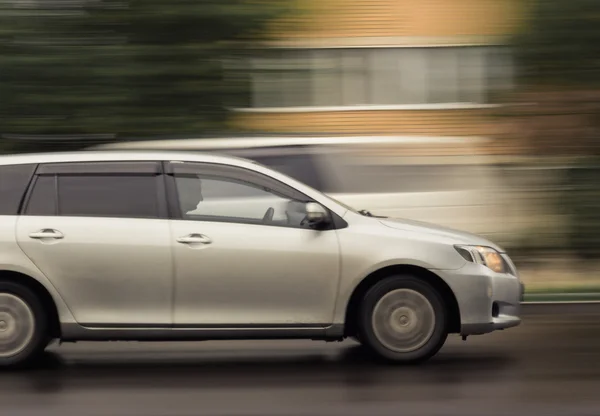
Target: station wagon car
(155, 246)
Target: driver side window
(205, 197)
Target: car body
(115, 246)
(443, 180)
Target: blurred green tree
(556, 107)
(124, 67)
(555, 111)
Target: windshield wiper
(367, 213)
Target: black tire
(434, 318)
(33, 346)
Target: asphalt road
(550, 365)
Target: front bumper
(487, 301)
(499, 323)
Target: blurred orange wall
(326, 19)
(387, 23)
(474, 122)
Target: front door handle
(47, 233)
(194, 239)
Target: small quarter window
(42, 200)
(13, 184)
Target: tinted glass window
(42, 200)
(223, 199)
(13, 183)
(126, 196)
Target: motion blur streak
(500, 100)
(549, 365)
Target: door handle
(47, 233)
(194, 239)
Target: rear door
(99, 232)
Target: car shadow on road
(352, 366)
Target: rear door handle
(47, 233)
(194, 239)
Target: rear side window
(42, 200)
(13, 184)
(120, 190)
(108, 196)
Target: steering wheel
(268, 217)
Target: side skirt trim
(75, 332)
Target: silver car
(158, 246)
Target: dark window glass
(108, 196)
(13, 184)
(43, 197)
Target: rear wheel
(23, 325)
(403, 319)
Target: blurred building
(430, 67)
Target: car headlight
(483, 255)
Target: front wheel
(402, 319)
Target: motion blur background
(477, 114)
(496, 103)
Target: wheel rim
(17, 325)
(403, 320)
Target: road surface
(550, 365)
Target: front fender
(366, 249)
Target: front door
(243, 255)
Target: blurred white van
(443, 180)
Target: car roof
(257, 142)
(115, 156)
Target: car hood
(459, 237)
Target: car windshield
(346, 206)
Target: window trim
(103, 169)
(241, 175)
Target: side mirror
(316, 215)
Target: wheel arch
(43, 294)
(450, 301)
